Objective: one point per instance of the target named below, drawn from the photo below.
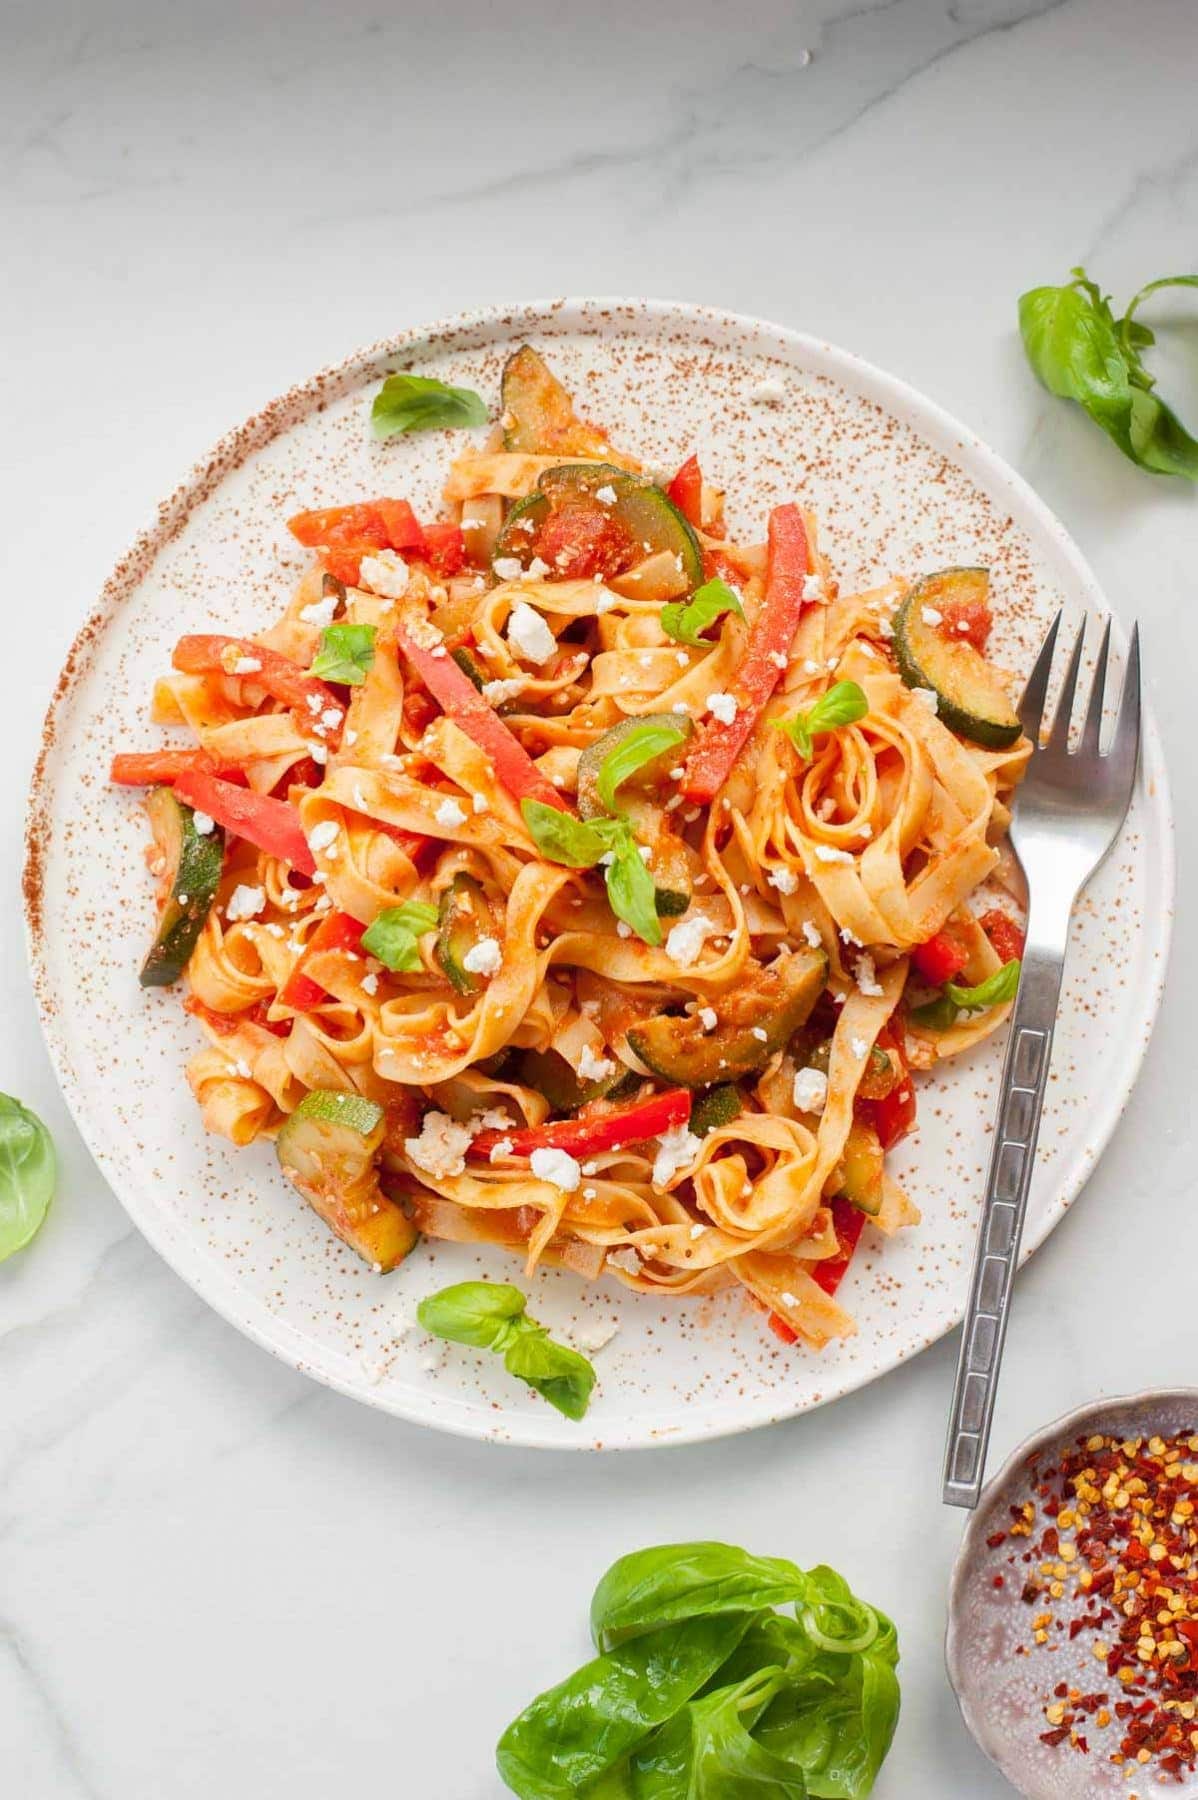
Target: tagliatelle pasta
(571, 877)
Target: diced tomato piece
(337, 931)
(270, 825)
(445, 548)
(581, 539)
(894, 1116)
(158, 768)
(602, 1131)
(968, 619)
(719, 563)
(361, 525)
(345, 565)
(1003, 933)
(940, 959)
(849, 1221)
(215, 654)
(404, 530)
(225, 1024)
(306, 773)
(686, 491)
(780, 1328)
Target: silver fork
(1067, 814)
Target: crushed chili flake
(1115, 1541)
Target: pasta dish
(570, 876)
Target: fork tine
(1058, 737)
(1092, 729)
(1031, 706)
(1125, 745)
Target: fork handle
(1000, 1227)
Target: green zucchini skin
(970, 699)
(718, 1106)
(860, 1169)
(648, 517)
(538, 414)
(193, 868)
(552, 1076)
(462, 918)
(327, 1149)
(776, 1003)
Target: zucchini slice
(191, 875)
(718, 1106)
(970, 698)
(753, 1023)
(328, 1149)
(464, 917)
(552, 1076)
(639, 523)
(858, 1177)
(538, 413)
(469, 667)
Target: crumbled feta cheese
(349, 738)
(784, 879)
(440, 1150)
(498, 693)
(480, 803)
(276, 931)
(528, 635)
(680, 706)
(930, 616)
(859, 1047)
(810, 667)
(245, 665)
(698, 1231)
(626, 1259)
(810, 1090)
(500, 1148)
(722, 707)
(812, 933)
(323, 836)
(203, 823)
(927, 697)
(686, 939)
(242, 1070)
(245, 903)
(678, 1150)
(622, 929)
(962, 625)
(595, 1337)
(885, 628)
(813, 587)
(319, 753)
(538, 568)
(450, 813)
(779, 659)
(371, 982)
(708, 1018)
(425, 634)
(483, 958)
(594, 1068)
(867, 980)
(760, 1033)
(557, 1167)
(606, 495)
(828, 853)
(320, 612)
(331, 717)
(605, 600)
(508, 568)
(385, 573)
(768, 392)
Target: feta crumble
(370, 983)
(322, 836)
(500, 1148)
(528, 635)
(440, 1150)
(558, 1168)
(812, 934)
(678, 1150)
(594, 1068)
(508, 568)
(708, 1018)
(813, 587)
(203, 823)
(320, 612)
(606, 495)
(483, 958)
(927, 697)
(450, 813)
(859, 1047)
(867, 980)
(498, 693)
(784, 879)
(810, 1090)
(385, 574)
(722, 707)
(245, 903)
(605, 599)
(686, 939)
(828, 853)
(768, 392)
(930, 616)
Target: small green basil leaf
(686, 620)
(843, 704)
(393, 935)
(1159, 439)
(559, 836)
(575, 1733)
(27, 1173)
(472, 1312)
(640, 746)
(420, 403)
(705, 1752)
(668, 1582)
(994, 991)
(561, 1375)
(1072, 345)
(631, 892)
(346, 653)
(936, 1015)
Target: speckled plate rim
(469, 330)
(995, 1745)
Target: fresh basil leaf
(1072, 345)
(577, 1732)
(559, 836)
(420, 403)
(346, 653)
(472, 1312)
(1159, 439)
(844, 703)
(937, 1015)
(1003, 985)
(644, 744)
(706, 1752)
(631, 892)
(392, 937)
(686, 620)
(669, 1582)
(27, 1174)
(561, 1375)
(833, 1617)
(835, 1717)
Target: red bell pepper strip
(461, 701)
(893, 1114)
(849, 1222)
(941, 959)
(214, 654)
(271, 825)
(1003, 933)
(445, 548)
(158, 768)
(345, 565)
(780, 1328)
(362, 525)
(686, 491)
(716, 746)
(404, 530)
(337, 931)
(604, 1131)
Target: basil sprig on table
(996, 990)
(701, 1689)
(686, 620)
(1082, 352)
(393, 936)
(490, 1315)
(581, 843)
(420, 403)
(843, 704)
(27, 1173)
(346, 653)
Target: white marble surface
(216, 1578)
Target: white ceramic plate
(899, 487)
